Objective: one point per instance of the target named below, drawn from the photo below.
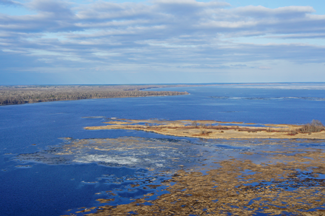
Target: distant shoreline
(15, 95)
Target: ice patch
(106, 159)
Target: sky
(161, 41)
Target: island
(210, 129)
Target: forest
(10, 95)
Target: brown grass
(191, 128)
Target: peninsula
(209, 129)
(11, 95)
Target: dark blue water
(38, 188)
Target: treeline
(10, 95)
(314, 126)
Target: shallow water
(38, 179)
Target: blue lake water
(35, 185)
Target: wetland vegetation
(294, 185)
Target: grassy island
(219, 130)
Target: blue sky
(161, 41)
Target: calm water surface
(43, 183)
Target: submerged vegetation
(10, 95)
(290, 181)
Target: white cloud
(260, 11)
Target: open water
(38, 178)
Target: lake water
(38, 177)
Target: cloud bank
(158, 35)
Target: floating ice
(106, 159)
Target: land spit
(11, 95)
(209, 129)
